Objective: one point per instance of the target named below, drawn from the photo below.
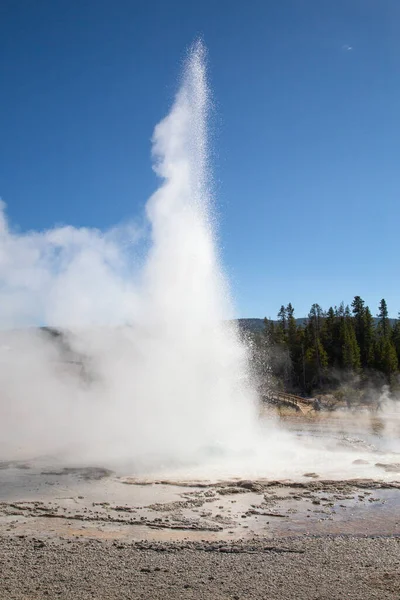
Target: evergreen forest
(344, 345)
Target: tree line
(344, 342)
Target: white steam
(163, 379)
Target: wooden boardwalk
(298, 403)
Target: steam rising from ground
(147, 373)
(164, 379)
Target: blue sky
(306, 131)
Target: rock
(253, 486)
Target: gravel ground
(302, 568)
(86, 533)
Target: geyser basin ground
(78, 533)
(83, 533)
(70, 504)
(55, 499)
(174, 386)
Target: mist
(164, 377)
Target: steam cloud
(164, 379)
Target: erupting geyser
(164, 376)
(149, 373)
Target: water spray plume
(173, 385)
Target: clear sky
(306, 131)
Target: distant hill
(255, 325)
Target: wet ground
(373, 431)
(83, 532)
(44, 497)
(75, 505)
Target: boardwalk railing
(296, 402)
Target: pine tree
(359, 325)
(316, 360)
(301, 364)
(383, 316)
(387, 361)
(328, 336)
(350, 348)
(386, 355)
(291, 327)
(294, 346)
(396, 337)
(281, 327)
(368, 349)
(316, 356)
